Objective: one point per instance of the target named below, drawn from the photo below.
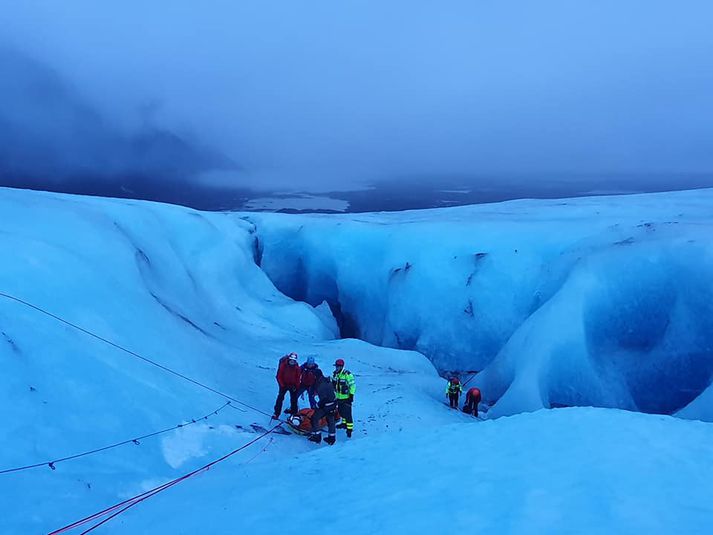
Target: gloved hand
(351, 398)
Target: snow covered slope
(604, 301)
(179, 287)
(564, 471)
(182, 288)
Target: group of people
(453, 391)
(328, 396)
(333, 395)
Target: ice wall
(601, 301)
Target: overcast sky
(325, 93)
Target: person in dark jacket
(308, 381)
(326, 408)
(288, 378)
(472, 398)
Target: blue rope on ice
(132, 353)
(136, 440)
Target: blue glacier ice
(556, 304)
(603, 301)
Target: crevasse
(603, 301)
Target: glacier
(602, 301)
(175, 285)
(220, 296)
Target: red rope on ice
(117, 509)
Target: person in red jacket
(288, 377)
(308, 381)
(472, 398)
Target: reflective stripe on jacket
(454, 388)
(344, 384)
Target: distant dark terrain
(405, 193)
(415, 194)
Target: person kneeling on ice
(326, 408)
(308, 381)
(288, 378)
(345, 388)
(472, 398)
(453, 391)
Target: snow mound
(601, 301)
(563, 471)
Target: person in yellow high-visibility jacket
(344, 390)
(453, 390)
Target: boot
(331, 439)
(349, 433)
(315, 437)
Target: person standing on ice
(345, 388)
(326, 408)
(288, 378)
(308, 381)
(453, 391)
(472, 398)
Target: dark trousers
(345, 411)
(471, 405)
(310, 393)
(324, 412)
(281, 397)
(453, 399)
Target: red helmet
(455, 381)
(339, 362)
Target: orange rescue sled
(301, 423)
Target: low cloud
(176, 100)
